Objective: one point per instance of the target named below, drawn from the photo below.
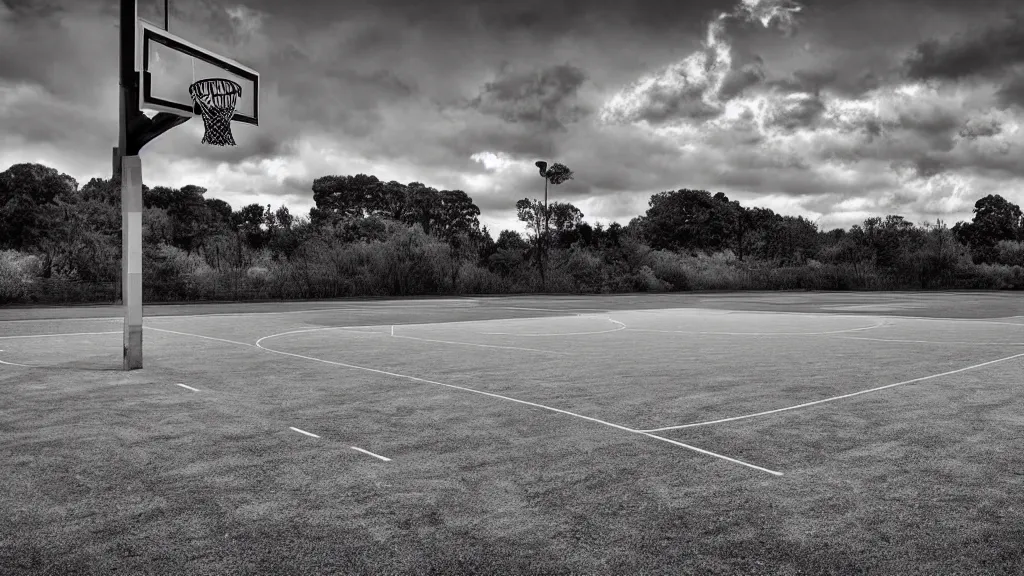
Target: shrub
(1010, 253)
(17, 274)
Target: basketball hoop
(216, 98)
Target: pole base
(133, 349)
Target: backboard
(169, 64)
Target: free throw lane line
(372, 454)
(188, 387)
(303, 432)
(833, 398)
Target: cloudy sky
(833, 109)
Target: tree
(510, 249)
(220, 212)
(342, 197)
(422, 206)
(24, 190)
(107, 191)
(456, 216)
(566, 219)
(556, 174)
(995, 220)
(686, 220)
(249, 223)
(392, 201)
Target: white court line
(478, 345)
(197, 336)
(834, 398)
(406, 337)
(303, 432)
(60, 334)
(188, 387)
(932, 341)
(709, 453)
(878, 325)
(830, 315)
(463, 388)
(372, 454)
(350, 329)
(551, 309)
(15, 364)
(621, 327)
(157, 316)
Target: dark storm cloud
(928, 166)
(742, 78)
(22, 10)
(937, 128)
(1011, 93)
(505, 17)
(667, 106)
(974, 129)
(257, 145)
(799, 111)
(811, 81)
(976, 53)
(545, 97)
(515, 140)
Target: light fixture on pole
(543, 166)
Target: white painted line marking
(832, 399)
(878, 325)
(709, 453)
(188, 387)
(304, 432)
(56, 335)
(196, 336)
(621, 327)
(933, 341)
(463, 388)
(15, 364)
(372, 454)
(558, 310)
(479, 345)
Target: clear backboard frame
(147, 34)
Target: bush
(585, 269)
(17, 275)
(670, 267)
(648, 281)
(1000, 277)
(1010, 253)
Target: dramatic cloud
(836, 110)
(545, 97)
(974, 53)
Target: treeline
(60, 243)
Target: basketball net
(216, 98)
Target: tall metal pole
(544, 244)
(130, 166)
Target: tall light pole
(543, 166)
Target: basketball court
(686, 433)
(484, 410)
